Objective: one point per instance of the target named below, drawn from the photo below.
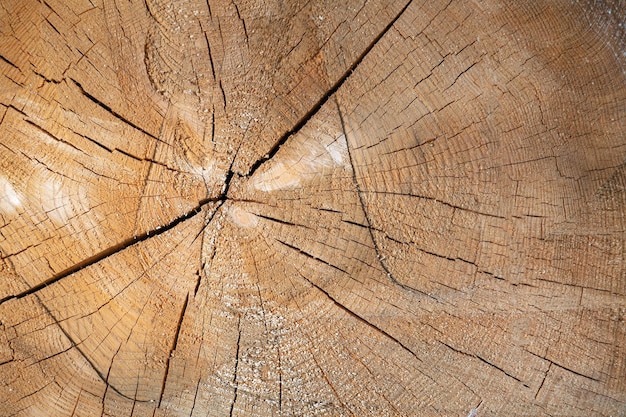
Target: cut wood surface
(277, 208)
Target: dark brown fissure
(320, 103)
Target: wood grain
(220, 208)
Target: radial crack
(280, 221)
(483, 361)
(308, 255)
(48, 133)
(499, 369)
(320, 103)
(130, 242)
(232, 406)
(113, 250)
(360, 318)
(173, 348)
(113, 112)
(551, 362)
(8, 62)
(436, 200)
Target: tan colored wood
(350, 208)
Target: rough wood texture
(269, 208)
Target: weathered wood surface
(312, 208)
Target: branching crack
(545, 376)
(551, 362)
(130, 241)
(113, 250)
(106, 380)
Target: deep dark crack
(115, 114)
(320, 103)
(173, 348)
(112, 250)
(235, 383)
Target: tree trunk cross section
(263, 208)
